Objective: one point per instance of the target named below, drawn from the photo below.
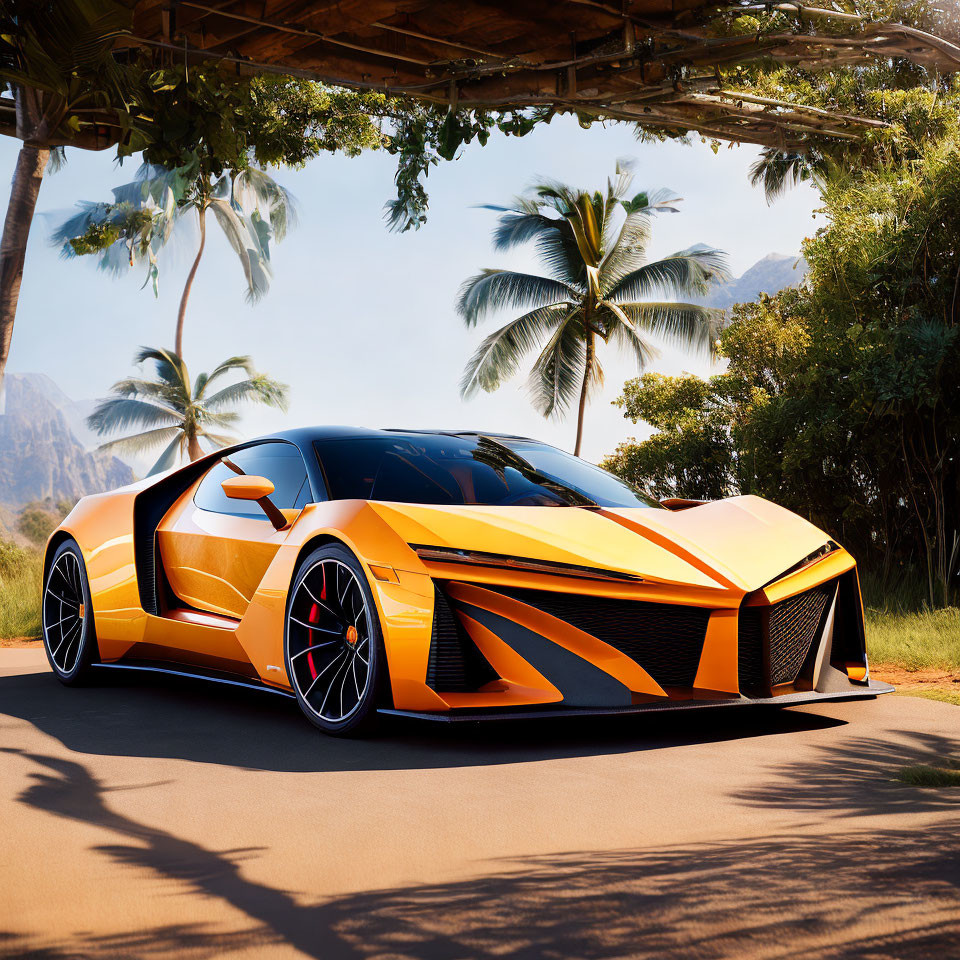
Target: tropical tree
(172, 410)
(594, 247)
(250, 207)
(56, 61)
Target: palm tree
(250, 207)
(594, 247)
(177, 412)
(56, 60)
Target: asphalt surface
(152, 817)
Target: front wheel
(69, 637)
(333, 644)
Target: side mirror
(255, 488)
(247, 488)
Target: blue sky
(360, 322)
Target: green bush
(20, 581)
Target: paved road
(155, 818)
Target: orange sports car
(449, 575)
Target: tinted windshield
(458, 470)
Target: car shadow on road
(145, 715)
(878, 893)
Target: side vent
(456, 665)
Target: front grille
(773, 642)
(794, 627)
(666, 640)
(455, 664)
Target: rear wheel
(69, 637)
(333, 643)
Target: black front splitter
(867, 691)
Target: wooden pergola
(655, 62)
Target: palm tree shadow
(148, 716)
(857, 777)
(884, 893)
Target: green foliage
(919, 639)
(12, 559)
(250, 207)
(179, 412)
(38, 519)
(841, 399)
(20, 578)
(36, 525)
(599, 290)
(923, 775)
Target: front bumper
(868, 691)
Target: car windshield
(446, 469)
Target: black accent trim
(195, 673)
(480, 558)
(149, 508)
(665, 639)
(456, 664)
(582, 683)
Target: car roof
(306, 435)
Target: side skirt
(870, 692)
(196, 673)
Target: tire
(69, 633)
(333, 643)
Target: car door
(216, 550)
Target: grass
(20, 598)
(932, 693)
(917, 640)
(922, 775)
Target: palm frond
(169, 367)
(219, 440)
(169, 456)
(493, 290)
(557, 374)
(686, 273)
(243, 363)
(499, 355)
(246, 245)
(685, 324)
(260, 389)
(623, 333)
(121, 413)
(779, 170)
(254, 188)
(140, 442)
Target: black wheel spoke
(329, 601)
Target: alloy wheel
(329, 637)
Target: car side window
(280, 463)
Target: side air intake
(455, 665)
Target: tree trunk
(27, 177)
(587, 367)
(178, 341)
(194, 451)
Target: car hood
(739, 543)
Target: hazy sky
(360, 322)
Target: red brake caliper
(314, 617)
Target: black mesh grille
(750, 649)
(793, 629)
(666, 640)
(773, 642)
(455, 664)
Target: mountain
(40, 454)
(770, 275)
